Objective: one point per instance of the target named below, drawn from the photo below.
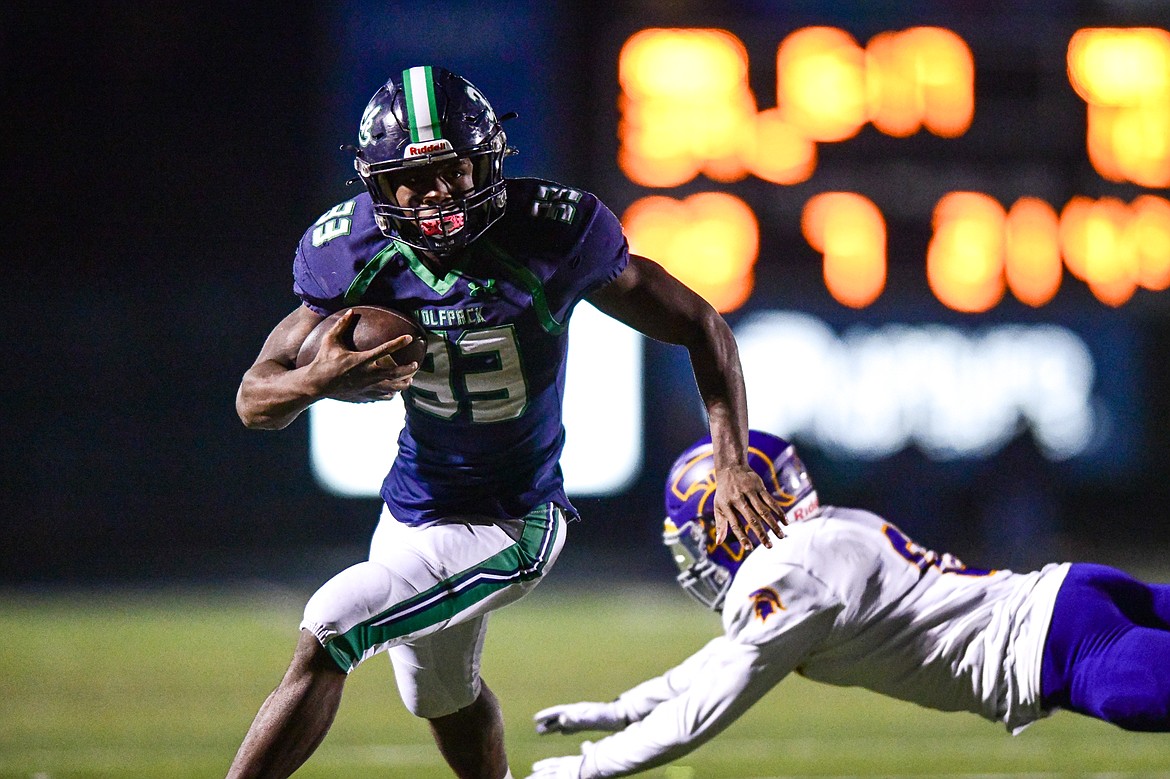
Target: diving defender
(848, 599)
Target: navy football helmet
(430, 115)
(706, 568)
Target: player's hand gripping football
(574, 717)
(359, 376)
(743, 503)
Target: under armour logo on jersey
(765, 603)
(479, 290)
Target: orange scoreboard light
(690, 119)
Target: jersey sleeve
(762, 610)
(331, 253)
(314, 291)
(599, 256)
(713, 688)
(639, 701)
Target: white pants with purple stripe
(424, 596)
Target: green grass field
(124, 684)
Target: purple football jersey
(483, 431)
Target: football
(375, 326)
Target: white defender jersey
(849, 600)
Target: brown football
(375, 326)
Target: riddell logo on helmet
(428, 147)
(804, 511)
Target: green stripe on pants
(519, 562)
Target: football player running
(847, 599)
(475, 509)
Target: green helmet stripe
(421, 112)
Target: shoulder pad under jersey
(333, 251)
(549, 217)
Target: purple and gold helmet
(424, 115)
(706, 568)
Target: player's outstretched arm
(728, 684)
(650, 300)
(728, 677)
(274, 392)
(632, 705)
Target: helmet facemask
(447, 227)
(702, 578)
(430, 116)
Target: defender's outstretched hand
(743, 503)
(574, 717)
(568, 767)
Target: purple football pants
(1108, 649)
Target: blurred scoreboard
(688, 114)
(932, 225)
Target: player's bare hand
(386, 377)
(382, 390)
(359, 376)
(742, 502)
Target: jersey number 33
(490, 382)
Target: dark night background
(163, 159)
